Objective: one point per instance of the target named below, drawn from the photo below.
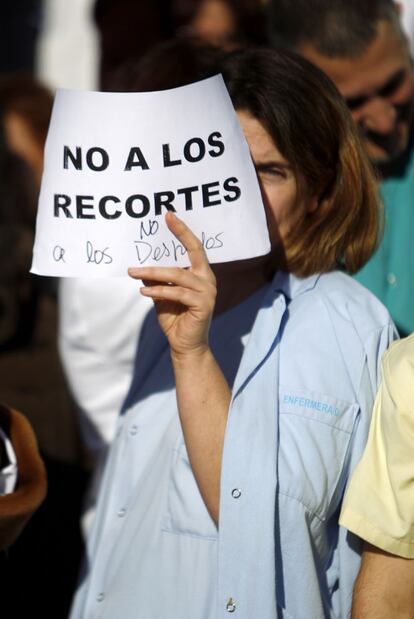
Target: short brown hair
(311, 126)
(335, 28)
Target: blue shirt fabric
(302, 397)
(389, 274)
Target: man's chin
(385, 156)
(380, 157)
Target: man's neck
(398, 166)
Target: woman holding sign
(250, 405)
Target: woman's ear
(321, 193)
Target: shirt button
(133, 430)
(391, 279)
(122, 512)
(236, 493)
(100, 597)
(231, 606)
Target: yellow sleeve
(379, 502)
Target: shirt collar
(291, 286)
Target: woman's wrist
(198, 355)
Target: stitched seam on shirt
(364, 527)
(369, 334)
(325, 423)
(338, 343)
(391, 389)
(307, 507)
(208, 538)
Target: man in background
(362, 47)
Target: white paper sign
(116, 162)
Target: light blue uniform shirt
(389, 274)
(298, 422)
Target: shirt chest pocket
(315, 438)
(186, 512)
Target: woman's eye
(272, 173)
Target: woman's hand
(184, 298)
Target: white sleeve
(8, 474)
(99, 325)
(407, 18)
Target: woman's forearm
(203, 398)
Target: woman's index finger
(191, 243)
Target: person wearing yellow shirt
(379, 503)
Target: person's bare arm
(384, 588)
(185, 301)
